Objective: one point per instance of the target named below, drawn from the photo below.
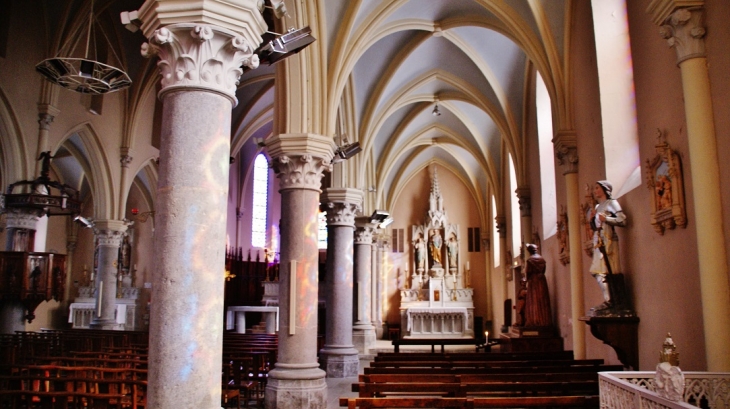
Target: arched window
(260, 198)
(618, 105)
(515, 210)
(495, 237)
(322, 230)
(547, 158)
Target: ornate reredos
(665, 180)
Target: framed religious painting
(666, 184)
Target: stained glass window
(260, 198)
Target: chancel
(297, 187)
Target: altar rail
(635, 390)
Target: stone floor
(342, 387)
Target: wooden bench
(488, 388)
(469, 403)
(494, 356)
(497, 370)
(480, 377)
(445, 363)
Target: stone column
(201, 48)
(46, 114)
(363, 332)
(565, 145)
(124, 160)
(374, 286)
(109, 235)
(379, 286)
(339, 358)
(684, 30)
(297, 381)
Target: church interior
(368, 170)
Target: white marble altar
(236, 318)
(437, 302)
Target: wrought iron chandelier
(84, 75)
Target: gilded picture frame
(666, 183)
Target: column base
(339, 362)
(106, 324)
(284, 392)
(363, 339)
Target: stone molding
(684, 30)
(524, 200)
(200, 56)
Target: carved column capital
(524, 200)
(501, 226)
(125, 160)
(44, 120)
(300, 160)
(341, 205)
(565, 144)
(110, 233)
(684, 30)
(200, 56)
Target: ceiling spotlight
(436, 111)
(285, 45)
(381, 218)
(131, 20)
(88, 223)
(346, 152)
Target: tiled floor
(342, 387)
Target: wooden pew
(475, 363)
(488, 388)
(487, 370)
(591, 402)
(491, 356)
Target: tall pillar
(565, 145)
(109, 235)
(363, 331)
(374, 286)
(339, 358)
(124, 159)
(684, 30)
(379, 285)
(200, 62)
(46, 114)
(299, 161)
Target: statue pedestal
(621, 334)
(436, 271)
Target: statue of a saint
(452, 249)
(604, 218)
(420, 250)
(435, 247)
(537, 299)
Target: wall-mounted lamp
(142, 217)
(346, 152)
(381, 218)
(284, 45)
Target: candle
(486, 335)
(467, 265)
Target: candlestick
(467, 265)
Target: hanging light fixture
(84, 75)
(436, 111)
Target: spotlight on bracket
(88, 223)
(381, 218)
(346, 152)
(285, 45)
